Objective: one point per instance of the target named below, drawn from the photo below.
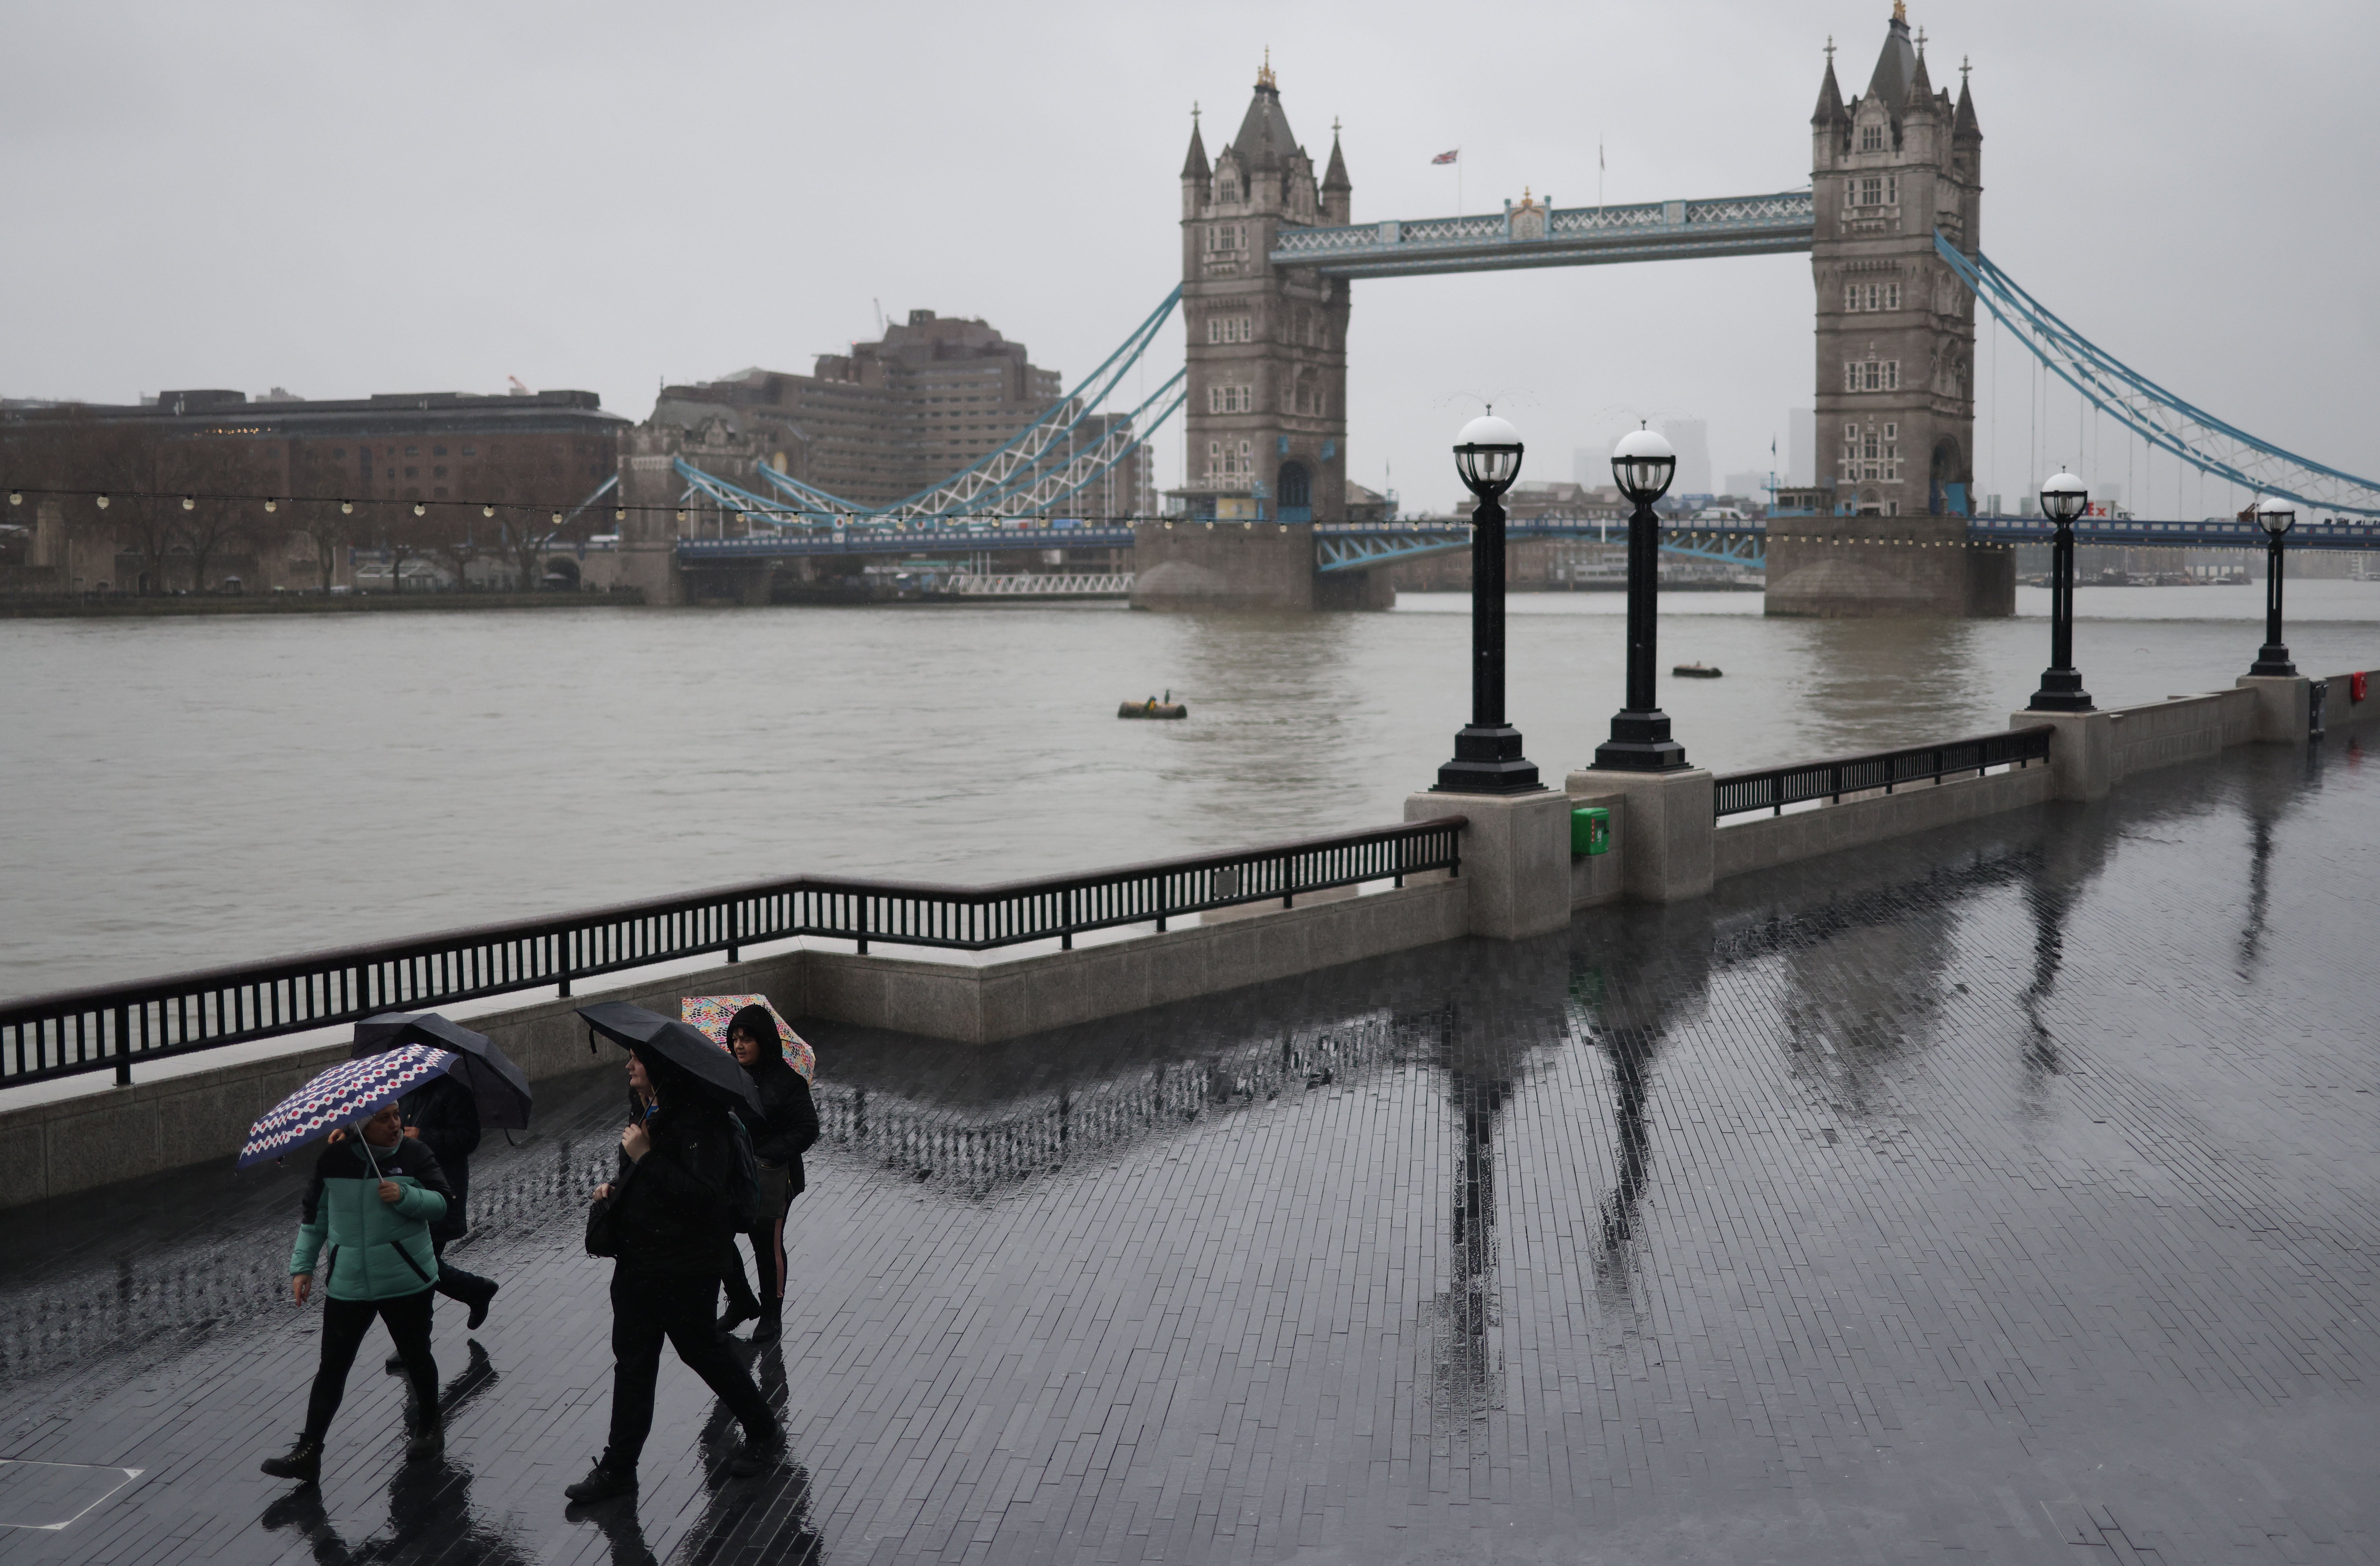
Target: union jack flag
(1448, 157)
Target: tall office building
(1692, 439)
(900, 415)
(1801, 467)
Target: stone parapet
(1515, 858)
(1765, 842)
(107, 1134)
(1664, 837)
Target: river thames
(193, 792)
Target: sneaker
(759, 1453)
(737, 1315)
(480, 1307)
(773, 1324)
(427, 1442)
(302, 1463)
(600, 1484)
(393, 1365)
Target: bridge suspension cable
(1017, 479)
(2148, 409)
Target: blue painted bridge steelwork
(1367, 546)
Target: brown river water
(182, 792)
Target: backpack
(746, 1209)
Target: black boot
(602, 1483)
(773, 1323)
(486, 1292)
(738, 1313)
(761, 1450)
(302, 1463)
(394, 1363)
(428, 1440)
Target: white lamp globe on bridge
(2275, 516)
(1487, 454)
(2063, 498)
(1642, 465)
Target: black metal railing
(1773, 788)
(113, 1027)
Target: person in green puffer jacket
(372, 1203)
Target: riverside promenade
(2006, 1191)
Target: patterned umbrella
(347, 1093)
(712, 1013)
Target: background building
(900, 415)
(1692, 439)
(340, 477)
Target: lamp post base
(2061, 691)
(1640, 742)
(1488, 761)
(2273, 660)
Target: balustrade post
(123, 1046)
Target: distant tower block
(1266, 426)
(1896, 350)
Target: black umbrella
(681, 1044)
(495, 1083)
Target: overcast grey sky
(344, 198)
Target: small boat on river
(1696, 672)
(1154, 706)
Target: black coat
(670, 1209)
(788, 1123)
(448, 1117)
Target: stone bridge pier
(1194, 563)
(650, 492)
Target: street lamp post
(1487, 757)
(1642, 464)
(2276, 517)
(2063, 498)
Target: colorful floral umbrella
(347, 1093)
(712, 1013)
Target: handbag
(776, 1189)
(602, 1231)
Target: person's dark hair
(760, 1026)
(674, 1087)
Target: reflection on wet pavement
(2002, 1191)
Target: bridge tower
(1267, 415)
(1896, 349)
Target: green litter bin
(1590, 830)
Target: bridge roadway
(1365, 546)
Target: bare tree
(101, 473)
(401, 534)
(327, 519)
(220, 482)
(528, 494)
(458, 535)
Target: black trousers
(344, 1323)
(453, 1282)
(646, 1308)
(769, 1261)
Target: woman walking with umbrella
(366, 1215)
(482, 1088)
(783, 1131)
(683, 1174)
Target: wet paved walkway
(2013, 1192)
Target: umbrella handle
(358, 1129)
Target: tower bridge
(1269, 252)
